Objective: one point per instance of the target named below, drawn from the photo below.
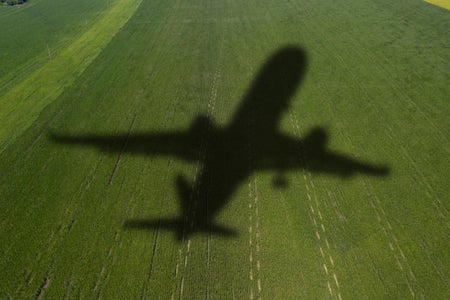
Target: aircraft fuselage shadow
(228, 155)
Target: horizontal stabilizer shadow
(180, 227)
(228, 155)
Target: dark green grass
(377, 79)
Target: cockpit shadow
(228, 155)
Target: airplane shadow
(228, 155)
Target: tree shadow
(228, 155)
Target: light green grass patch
(21, 105)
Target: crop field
(167, 149)
(441, 3)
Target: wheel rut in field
(196, 185)
(318, 221)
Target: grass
(28, 30)
(23, 102)
(377, 79)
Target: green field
(375, 80)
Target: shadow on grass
(228, 155)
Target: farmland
(375, 80)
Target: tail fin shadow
(187, 223)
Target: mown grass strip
(442, 3)
(21, 105)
